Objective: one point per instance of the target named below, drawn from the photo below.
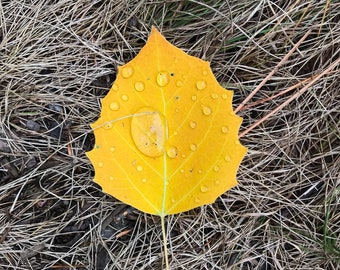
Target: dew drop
(139, 168)
(179, 83)
(114, 106)
(127, 72)
(216, 168)
(227, 158)
(204, 188)
(148, 131)
(193, 147)
(200, 171)
(206, 110)
(175, 133)
(217, 182)
(100, 164)
(124, 98)
(183, 155)
(237, 142)
(139, 86)
(172, 152)
(197, 200)
(193, 124)
(112, 149)
(144, 180)
(225, 129)
(224, 96)
(162, 78)
(200, 85)
(107, 125)
(173, 200)
(114, 87)
(182, 171)
(111, 178)
(214, 96)
(194, 98)
(205, 73)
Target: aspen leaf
(167, 138)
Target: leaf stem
(165, 242)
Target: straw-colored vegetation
(58, 58)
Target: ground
(59, 58)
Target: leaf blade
(162, 118)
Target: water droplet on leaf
(125, 98)
(139, 168)
(179, 83)
(162, 78)
(206, 110)
(200, 85)
(214, 96)
(108, 125)
(225, 129)
(172, 152)
(114, 106)
(127, 72)
(139, 86)
(193, 124)
(204, 188)
(148, 131)
(216, 168)
(193, 147)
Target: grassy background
(58, 58)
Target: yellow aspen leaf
(167, 138)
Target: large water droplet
(204, 188)
(127, 72)
(148, 131)
(206, 110)
(193, 124)
(200, 85)
(114, 106)
(172, 152)
(162, 78)
(139, 86)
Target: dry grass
(58, 58)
